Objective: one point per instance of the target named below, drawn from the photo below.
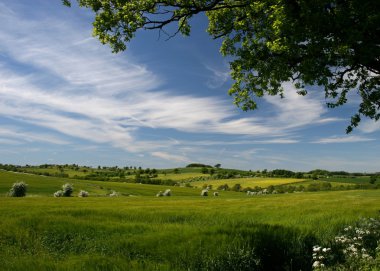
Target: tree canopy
(334, 44)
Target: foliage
(58, 194)
(373, 179)
(271, 42)
(198, 165)
(83, 193)
(18, 189)
(67, 189)
(356, 248)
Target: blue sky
(65, 98)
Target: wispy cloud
(12, 133)
(170, 157)
(369, 126)
(342, 139)
(218, 77)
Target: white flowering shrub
(58, 194)
(18, 190)
(83, 194)
(204, 193)
(67, 189)
(356, 248)
(114, 194)
(167, 193)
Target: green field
(247, 182)
(181, 232)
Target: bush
(67, 189)
(83, 194)
(58, 194)
(357, 247)
(18, 190)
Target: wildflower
(316, 248)
(316, 264)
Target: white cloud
(369, 126)
(344, 139)
(170, 157)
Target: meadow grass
(181, 232)
(172, 233)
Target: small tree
(237, 187)
(18, 190)
(67, 189)
(372, 179)
(83, 194)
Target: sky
(65, 98)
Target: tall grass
(273, 232)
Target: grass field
(247, 182)
(182, 232)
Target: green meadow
(138, 231)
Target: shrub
(18, 190)
(356, 248)
(204, 193)
(83, 194)
(114, 194)
(58, 194)
(167, 193)
(67, 189)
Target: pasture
(181, 232)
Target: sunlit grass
(248, 182)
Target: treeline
(281, 189)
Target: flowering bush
(83, 193)
(356, 248)
(18, 190)
(114, 194)
(58, 194)
(67, 189)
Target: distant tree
(204, 170)
(67, 189)
(211, 171)
(176, 170)
(217, 166)
(18, 189)
(137, 176)
(236, 187)
(224, 187)
(198, 165)
(373, 179)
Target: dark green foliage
(224, 187)
(204, 170)
(18, 189)
(67, 189)
(198, 165)
(236, 187)
(373, 179)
